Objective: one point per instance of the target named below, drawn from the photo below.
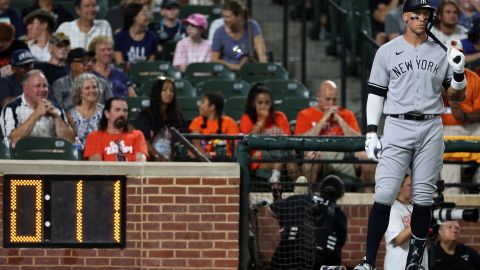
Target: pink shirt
(188, 52)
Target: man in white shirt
(84, 29)
(40, 26)
(446, 27)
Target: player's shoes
(364, 265)
(415, 266)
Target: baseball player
(406, 84)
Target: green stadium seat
(168, 50)
(4, 151)
(146, 87)
(282, 89)
(235, 107)
(136, 105)
(258, 72)
(142, 71)
(227, 87)
(188, 107)
(291, 106)
(199, 72)
(184, 88)
(44, 148)
(210, 12)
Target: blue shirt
(135, 51)
(233, 50)
(119, 80)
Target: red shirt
(126, 144)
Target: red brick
(174, 244)
(187, 200)
(173, 208)
(187, 254)
(174, 262)
(98, 261)
(46, 260)
(174, 227)
(174, 190)
(214, 236)
(226, 245)
(214, 200)
(151, 262)
(226, 208)
(187, 181)
(160, 181)
(214, 181)
(200, 226)
(200, 244)
(200, 208)
(151, 209)
(200, 263)
(151, 226)
(32, 252)
(213, 217)
(227, 190)
(226, 263)
(234, 181)
(122, 261)
(160, 217)
(160, 199)
(187, 217)
(160, 254)
(213, 254)
(150, 190)
(187, 236)
(73, 260)
(20, 260)
(159, 235)
(225, 226)
(200, 190)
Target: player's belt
(415, 117)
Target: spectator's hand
(329, 113)
(406, 221)
(51, 110)
(42, 108)
(262, 114)
(6, 71)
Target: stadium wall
(182, 216)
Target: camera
(444, 211)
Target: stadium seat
(199, 72)
(44, 148)
(228, 88)
(282, 89)
(184, 88)
(142, 71)
(235, 107)
(168, 50)
(136, 105)
(146, 87)
(4, 151)
(188, 107)
(258, 72)
(210, 12)
(292, 105)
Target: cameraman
(449, 254)
(313, 228)
(399, 231)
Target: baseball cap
(59, 38)
(170, 3)
(22, 57)
(198, 20)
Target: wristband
(372, 128)
(458, 82)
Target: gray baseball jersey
(410, 77)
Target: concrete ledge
(142, 169)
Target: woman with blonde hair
(102, 48)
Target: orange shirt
(471, 102)
(280, 127)
(309, 117)
(229, 127)
(109, 145)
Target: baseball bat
(430, 34)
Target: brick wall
(172, 223)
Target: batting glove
(373, 146)
(456, 59)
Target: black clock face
(64, 211)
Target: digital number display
(64, 211)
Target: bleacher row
(290, 96)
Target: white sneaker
(302, 188)
(363, 265)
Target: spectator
(468, 13)
(239, 39)
(8, 44)
(134, 43)
(102, 47)
(461, 119)
(471, 46)
(446, 27)
(379, 10)
(86, 114)
(9, 15)
(80, 62)
(115, 139)
(398, 232)
(327, 119)
(394, 24)
(31, 114)
(192, 49)
(448, 253)
(212, 121)
(55, 67)
(61, 14)
(156, 120)
(84, 29)
(260, 117)
(40, 25)
(115, 15)
(22, 63)
(169, 28)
